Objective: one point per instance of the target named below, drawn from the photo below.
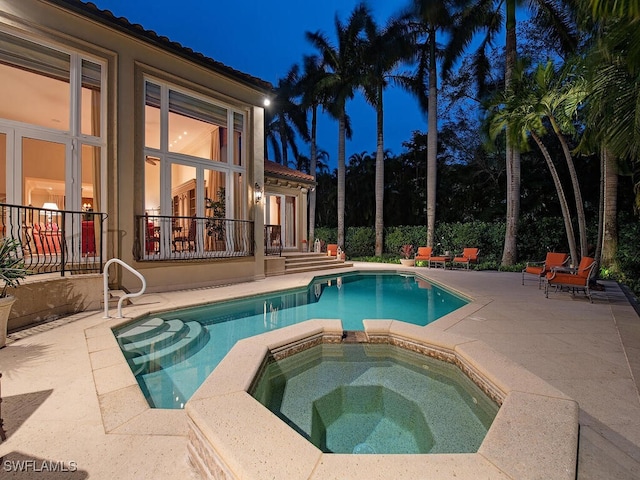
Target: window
(52, 119)
(193, 153)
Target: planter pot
(5, 309)
(408, 262)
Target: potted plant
(12, 270)
(407, 259)
(215, 225)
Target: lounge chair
(540, 269)
(469, 255)
(565, 277)
(332, 249)
(424, 254)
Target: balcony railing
(273, 240)
(160, 237)
(54, 241)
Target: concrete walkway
(591, 352)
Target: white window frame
(201, 164)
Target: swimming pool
(172, 353)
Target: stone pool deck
(69, 401)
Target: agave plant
(12, 268)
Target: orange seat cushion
(535, 269)
(424, 253)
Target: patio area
(68, 401)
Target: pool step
(192, 336)
(149, 328)
(173, 329)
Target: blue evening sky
(265, 39)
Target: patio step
(308, 262)
(194, 336)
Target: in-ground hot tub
(376, 398)
(232, 435)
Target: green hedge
(535, 238)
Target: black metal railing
(54, 241)
(273, 240)
(161, 237)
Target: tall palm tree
(430, 17)
(487, 16)
(343, 67)
(312, 98)
(287, 117)
(384, 49)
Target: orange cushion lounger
(424, 253)
(579, 279)
(469, 255)
(553, 259)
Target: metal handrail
(167, 237)
(51, 241)
(105, 277)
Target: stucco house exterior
(116, 142)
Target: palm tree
(287, 118)
(431, 16)
(383, 51)
(559, 95)
(312, 98)
(614, 112)
(488, 16)
(615, 84)
(620, 8)
(343, 67)
(521, 112)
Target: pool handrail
(105, 276)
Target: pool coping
(231, 435)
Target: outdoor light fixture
(267, 102)
(258, 192)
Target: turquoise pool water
(376, 399)
(173, 353)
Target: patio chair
(469, 255)
(560, 277)
(47, 238)
(424, 254)
(540, 269)
(182, 243)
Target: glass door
(281, 210)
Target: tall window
(193, 153)
(51, 125)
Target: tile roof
(90, 10)
(273, 169)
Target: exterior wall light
(257, 191)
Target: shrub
(360, 241)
